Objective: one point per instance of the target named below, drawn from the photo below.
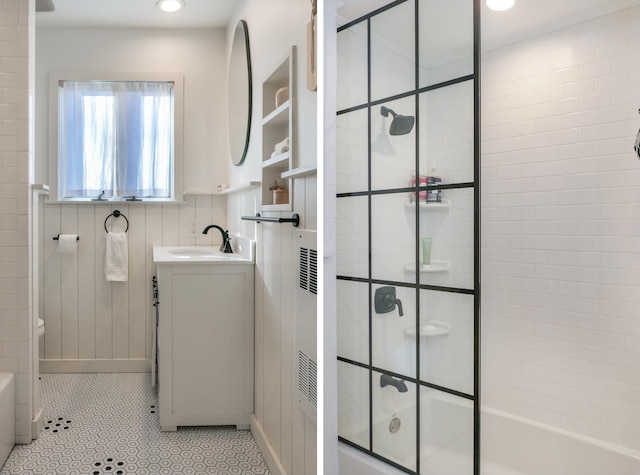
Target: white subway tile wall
(16, 87)
(561, 228)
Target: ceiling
(136, 13)
(528, 17)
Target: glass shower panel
(394, 429)
(447, 340)
(353, 320)
(407, 222)
(393, 51)
(446, 133)
(393, 240)
(352, 67)
(393, 144)
(352, 231)
(445, 40)
(448, 230)
(352, 167)
(353, 404)
(393, 342)
(446, 434)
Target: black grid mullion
(370, 233)
(417, 188)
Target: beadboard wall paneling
(290, 434)
(86, 317)
(286, 437)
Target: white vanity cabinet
(205, 343)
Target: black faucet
(226, 240)
(386, 380)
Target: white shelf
(41, 188)
(281, 158)
(199, 192)
(241, 187)
(300, 172)
(226, 191)
(279, 116)
(435, 266)
(278, 124)
(281, 207)
(430, 328)
(444, 204)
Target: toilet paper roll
(68, 243)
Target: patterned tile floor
(107, 423)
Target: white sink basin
(202, 254)
(191, 253)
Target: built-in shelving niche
(277, 125)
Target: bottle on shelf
(433, 178)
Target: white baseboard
(270, 456)
(96, 366)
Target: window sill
(114, 202)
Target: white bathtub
(446, 442)
(513, 445)
(510, 446)
(7, 415)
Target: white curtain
(116, 137)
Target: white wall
(327, 74)
(561, 229)
(286, 436)
(198, 54)
(16, 159)
(86, 317)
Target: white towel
(116, 259)
(281, 147)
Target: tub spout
(386, 380)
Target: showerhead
(401, 124)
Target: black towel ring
(116, 214)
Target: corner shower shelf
(435, 266)
(444, 204)
(430, 328)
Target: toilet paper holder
(57, 238)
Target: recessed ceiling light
(170, 6)
(500, 5)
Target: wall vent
(308, 379)
(309, 270)
(305, 383)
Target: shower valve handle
(385, 300)
(399, 304)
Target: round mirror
(239, 94)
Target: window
(116, 139)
